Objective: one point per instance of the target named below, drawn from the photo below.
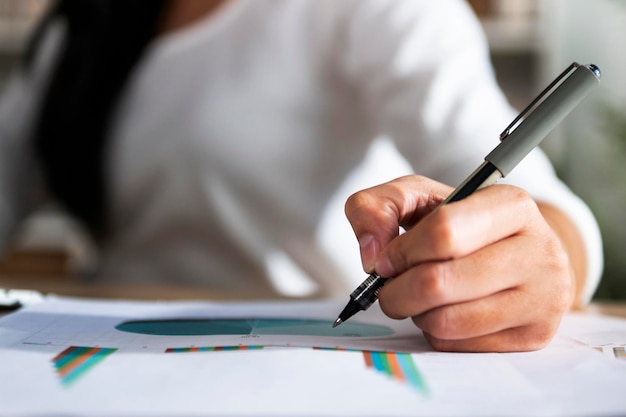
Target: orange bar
(367, 355)
(396, 369)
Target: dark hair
(105, 39)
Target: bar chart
(76, 360)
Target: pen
(524, 133)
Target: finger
(466, 323)
(377, 213)
(485, 272)
(519, 339)
(458, 229)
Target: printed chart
(75, 361)
(84, 339)
(97, 357)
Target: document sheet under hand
(66, 356)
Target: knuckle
(433, 283)
(520, 196)
(562, 296)
(558, 266)
(538, 337)
(522, 200)
(526, 203)
(442, 323)
(556, 256)
(357, 202)
(370, 207)
(440, 345)
(444, 234)
(562, 301)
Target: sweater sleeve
(423, 71)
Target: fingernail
(369, 251)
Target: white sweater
(240, 137)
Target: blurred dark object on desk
(46, 263)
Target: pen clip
(533, 104)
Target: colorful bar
(337, 349)
(399, 366)
(409, 370)
(620, 353)
(211, 348)
(76, 360)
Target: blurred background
(531, 42)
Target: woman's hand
(487, 273)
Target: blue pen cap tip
(595, 70)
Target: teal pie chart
(252, 326)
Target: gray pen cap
(561, 97)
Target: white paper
(283, 374)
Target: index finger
(377, 213)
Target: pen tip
(337, 322)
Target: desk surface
(608, 308)
(160, 292)
(73, 288)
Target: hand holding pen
(493, 272)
